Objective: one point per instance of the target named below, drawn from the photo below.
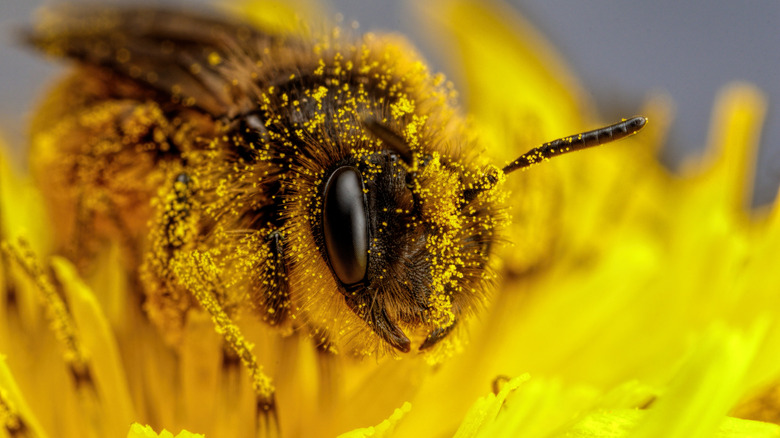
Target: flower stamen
(10, 419)
(60, 320)
(62, 324)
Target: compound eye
(345, 225)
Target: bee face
(398, 245)
(413, 236)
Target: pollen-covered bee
(329, 184)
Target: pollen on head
(214, 59)
(401, 107)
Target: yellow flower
(632, 302)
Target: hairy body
(208, 150)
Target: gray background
(620, 50)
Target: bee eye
(345, 225)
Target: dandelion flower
(631, 301)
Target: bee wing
(195, 59)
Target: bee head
(408, 252)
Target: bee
(329, 184)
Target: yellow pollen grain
(401, 107)
(214, 59)
(320, 93)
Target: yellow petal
(97, 337)
(734, 137)
(620, 423)
(22, 212)
(139, 431)
(13, 404)
(485, 409)
(706, 387)
(518, 89)
(383, 429)
(282, 16)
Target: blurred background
(621, 51)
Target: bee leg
(437, 335)
(195, 270)
(266, 414)
(172, 233)
(267, 417)
(274, 294)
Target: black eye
(345, 225)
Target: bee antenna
(588, 139)
(391, 139)
(577, 142)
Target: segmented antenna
(578, 142)
(561, 146)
